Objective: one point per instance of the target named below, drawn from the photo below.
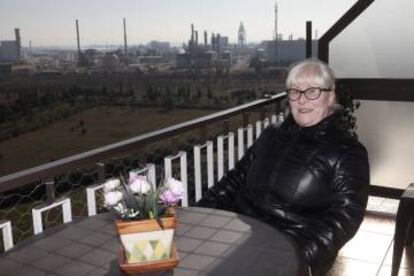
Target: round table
(209, 242)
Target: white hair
(319, 71)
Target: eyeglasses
(312, 93)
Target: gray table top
(209, 242)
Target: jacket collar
(322, 128)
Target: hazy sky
(52, 22)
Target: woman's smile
(305, 110)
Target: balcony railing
(67, 188)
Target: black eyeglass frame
(320, 90)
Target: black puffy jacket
(312, 183)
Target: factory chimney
(218, 38)
(205, 39)
(125, 44)
(196, 38)
(192, 33)
(78, 41)
(18, 44)
(213, 41)
(276, 36)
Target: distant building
(151, 59)
(196, 60)
(160, 47)
(226, 58)
(16, 68)
(183, 60)
(10, 50)
(288, 51)
(241, 38)
(223, 42)
(111, 62)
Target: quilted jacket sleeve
(324, 234)
(223, 195)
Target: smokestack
(276, 37)
(205, 39)
(125, 43)
(218, 43)
(18, 44)
(78, 40)
(192, 33)
(213, 41)
(196, 38)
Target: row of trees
(36, 102)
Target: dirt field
(103, 125)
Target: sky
(52, 22)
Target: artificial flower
(111, 185)
(139, 184)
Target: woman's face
(307, 112)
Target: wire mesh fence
(17, 205)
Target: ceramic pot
(145, 240)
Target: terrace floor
(369, 253)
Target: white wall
(377, 44)
(387, 130)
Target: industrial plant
(204, 51)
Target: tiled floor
(369, 253)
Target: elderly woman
(309, 177)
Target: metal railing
(68, 187)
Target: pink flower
(112, 198)
(133, 175)
(138, 183)
(111, 185)
(172, 191)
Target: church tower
(241, 42)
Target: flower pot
(145, 240)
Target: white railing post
(37, 213)
(197, 168)
(183, 172)
(6, 229)
(266, 122)
(67, 211)
(273, 119)
(220, 157)
(197, 172)
(168, 166)
(151, 175)
(231, 150)
(280, 118)
(249, 135)
(240, 142)
(91, 198)
(258, 128)
(210, 164)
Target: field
(85, 131)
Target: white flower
(172, 192)
(175, 186)
(111, 185)
(112, 198)
(139, 184)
